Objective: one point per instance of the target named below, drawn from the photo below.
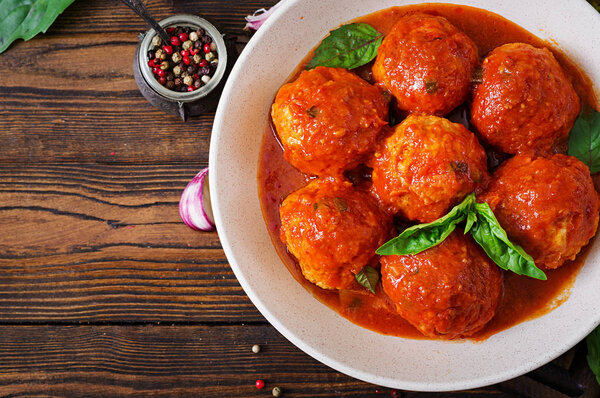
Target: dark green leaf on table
(348, 46)
(368, 278)
(424, 236)
(584, 141)
(23, 19)
(593, 355)
(488, 233)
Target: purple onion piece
(259, 17)
(194, 206)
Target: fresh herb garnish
(431, 86)
(24, 19)
(313, 111)
(481, 223)
(593, 355)
(368, 278)
(348, 46)
(584, 141)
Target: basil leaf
(584, 141)
(593, 355)
(23, 19)
(424, 236)
(493, 239)
(348, 46)
(368, 278)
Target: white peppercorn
(176, 58)
(277, 392)
(213, 46)
(188, 80)
(187, 44)
(214, 62)
(205, 79)
(197, 58)
(164, 65)
(177, 70)
(210, 56)
(256, 348)
(156, 41)
(193, 36)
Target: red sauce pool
(523, 298)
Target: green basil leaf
(493, 239)
(593, 355)
(348, 46)
(368, 278)
(424, 236)
(584, 141)
(23, 19)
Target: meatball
(546, 205)
(525, 102)
(427, 64)
(333, 231)
(449, 291)
(426, 166)
(328, 119)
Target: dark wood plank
(165, 360)
(94, 243)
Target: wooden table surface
(103, 291)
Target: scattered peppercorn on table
(104, 291)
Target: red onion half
(194, 206)
(259, 17)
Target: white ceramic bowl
(422, 365)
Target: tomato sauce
(523, 298)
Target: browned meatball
(449, 291)
(332, 230)
(525, 102)
(328, 119)
(426, 166)
(427, 64)
(547, 205)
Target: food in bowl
(459, 297)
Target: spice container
(206, 90)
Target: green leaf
(593, 355)
(584, 141)
(493, 239)
(424, 236)
(368, 278)
(23, 19)
(348, 46)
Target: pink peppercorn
(260, 384)
(175, 41)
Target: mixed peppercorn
(187, 63)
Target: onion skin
(194, 206)
(256, 20)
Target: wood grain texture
(104, 243)
(198, 361)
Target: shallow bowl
(420, 365)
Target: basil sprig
(483, 226)
(368, 278)
(584, 141)
(23, 19)
(348, 46)
(593, 355)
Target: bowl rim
(292, 335)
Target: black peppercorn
(150, 55)
(178, 81)
(205, 70)
(200, 32)
(197, 83)
(198, 44)
(205, 39)
(170, 85)
(191, 69)
(170, 76)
